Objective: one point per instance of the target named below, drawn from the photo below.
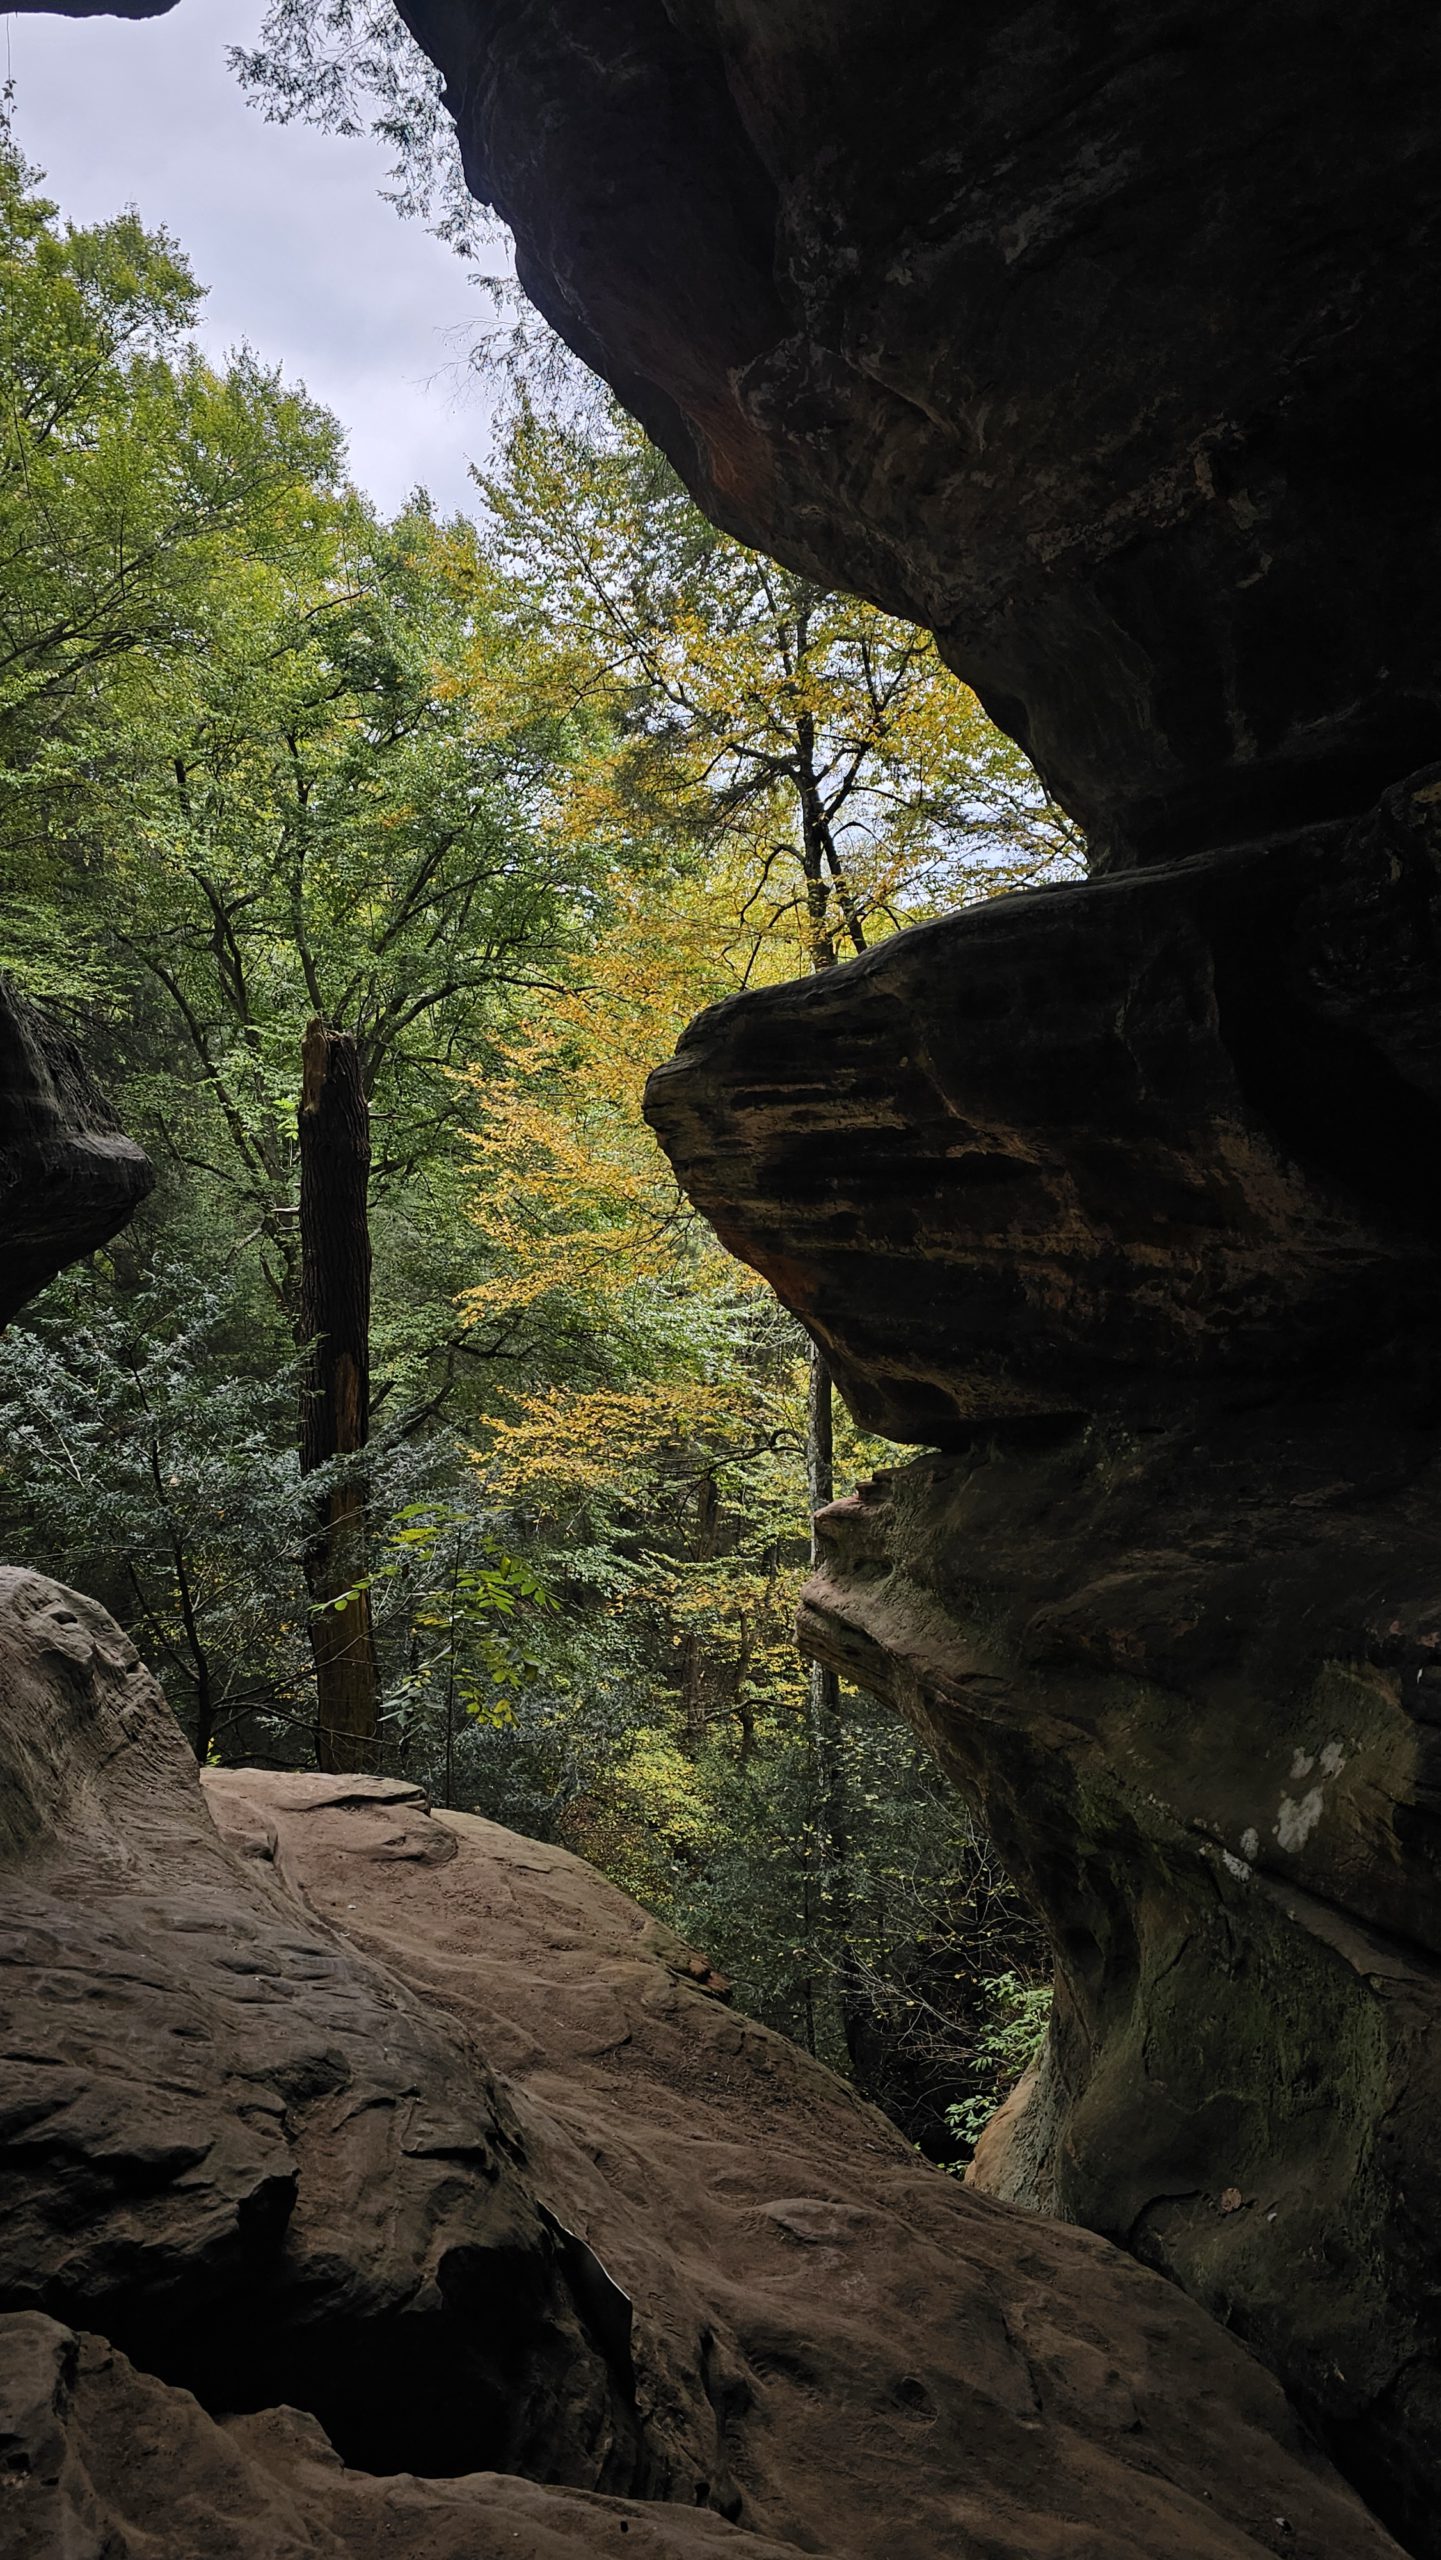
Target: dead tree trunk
(335, 1396)
(827, 1742)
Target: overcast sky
(286, 227)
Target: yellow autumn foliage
(564, 1442)
(778, 776)
(572, 1191)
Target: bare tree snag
(823, 1688)
(335, 1396)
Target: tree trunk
(827, 1740)
(692, 1656)
(823, 1688)
(335, 1397)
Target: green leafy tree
(814, 745)
(451, 827)
(352, 67)
(150, 1461)
(131, 474)
(336, 814)
(803, 777)
(337, 808)
(267, 767)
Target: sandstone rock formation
(1121, 1196)
(69, 1178)
(1101, 340)
(285, 2268)
(1126, 1148)
(103, 2461)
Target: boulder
(100, 2461)
(376, 2180)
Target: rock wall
(1100, 340)
(1103, 342)
(377, 2181)
(69, 1178)
(1122, 1197)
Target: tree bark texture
(335, 1397)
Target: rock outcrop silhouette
(69, 1177)
(1099, 340)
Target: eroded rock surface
(69, 1178)
(1100, 340)
(101, 2462)
(253, 2150)
(1123, 1196)
(258, 2168)
(1103, 342)
(1121, 1148)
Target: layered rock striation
(1103, 343)
(1100, 341)
(1113, 1149)
(1121, 1196)
(377, 2181)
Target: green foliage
(508, 801)
(352, 66)
(472, 1600)
(147, 1458)
(1011, 2040)
(280, 764)
(330, 803)
(132, 476)
(802, 773)
(813, 747)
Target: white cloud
(286, 227)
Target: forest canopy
(374, 862)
